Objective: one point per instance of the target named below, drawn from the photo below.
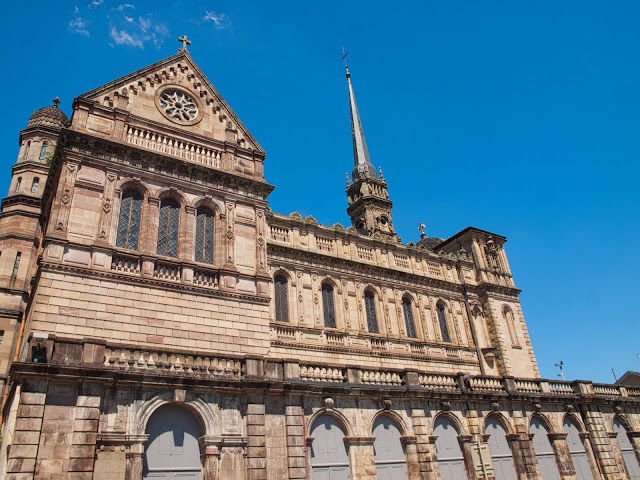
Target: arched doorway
(501, 455)
(450, 460)
(626, 448)
(544, 451)
(329, 460)
(390, 460)
(172, 451)
(577, 451)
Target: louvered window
(204, 235)
(129, 221)
(442, 319)
(408, 318)
(370, 309)
(168, 228)
(328, 306)
(280, 299)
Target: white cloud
(77, 24)
(122, 6)
(144, 23)
(219, 19)
(128, 19)
(95, 4)
(122, 37)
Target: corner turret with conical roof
(369, 204)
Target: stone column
(187, 235)
(85, 430)
(465, 446)
(296, 448)
(409, 442)
(361, 457)
(134, 456)
(62, 204)
(106, 212)
(209, 457)
(524, 456)
(257, 446)
(563, 457)
(601, 445)
(426, 457)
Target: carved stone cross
(185, 42)
(421, 228)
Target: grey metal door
(500, 451)
(172, 451)
(329, 460)
(389, 455)
(450, 460)
(544, 451)
(577, 451)
(628, 455)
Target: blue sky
(519, 118)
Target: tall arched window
(370, 310)
(129, 220)
(511, 325)
(544, 451)
(408, 318)
(18, 184)
(626, 448)
(329, 459)
(280, 298)
(442, 321)
(328, 307)
(168, 228)
(577, 451)
(26, 150)
(450, 460)
(43, 151)
(500, 451)
(34, 185)
(204, 235)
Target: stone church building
(159, 321)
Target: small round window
(178, 105)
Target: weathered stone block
(85, 425)
(84, 438)
(23, 451)
(21, 465)
(81, 464)
(30, 411)
(26, 438)
(32, 398)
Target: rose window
(178, 105)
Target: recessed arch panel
(389, 454)
(577, 451)
(500, 450)
(329, 459)
(450, 459)
(544, 451)
(626, 448)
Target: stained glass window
(408, 318)
(168, 228)
(328, 306)
(370, 309)
(280, 298)
(129, 221)
(204, 235)
(442, 319)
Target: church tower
(21, 221)
(369, 204)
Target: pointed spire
(362, 163)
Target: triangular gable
(136, 93)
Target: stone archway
(390, 458)
(329, 458)
(172, 451)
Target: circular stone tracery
(178, 105)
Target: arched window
(408, 318)
(577, 451)
(450, 460)
(18, 184)
(626, 448)
(544, 451)
(34, 185)
(204, 235)
(442, 321)
(43, 151)
(280, 298)
(329, 459)
(172, 449)
(370, 310)
(511, 325)
(387, 447)
(129, 220)
(328, 307)
(26, 150)
(168, 228)
(501, 455)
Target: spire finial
(348, 182)
(56, 102)
(185, 41)
(344, 57)
(381, 176)
(421, 228)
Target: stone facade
(141, 269)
